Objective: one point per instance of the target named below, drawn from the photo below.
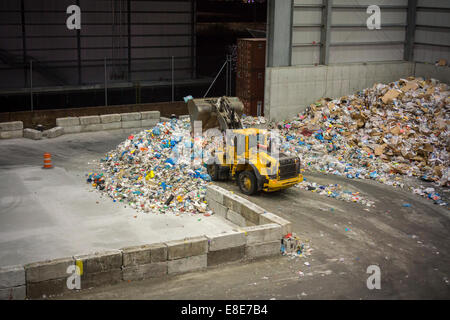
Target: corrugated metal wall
(351, 41)
(137, 46)
(432, 35)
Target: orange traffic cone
(47, 161)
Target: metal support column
(193, 39)
(24, 44)
(325, 35)
(410, 30)
(173, 79)
(129, 38)
(79, 50)
(279, 31)
(106, 86)
(31, 85)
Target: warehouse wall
(432, 36)
(354, 57)
(37, 31)
(350, 39)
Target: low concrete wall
(289, 90)
(46, 278)
(48, 118)
(11, 130)
(67, 125)
(427, 70)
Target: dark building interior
(137, 40)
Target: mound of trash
(155, 171)
(380, 133)
(383, 133)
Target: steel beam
(279, 26)
(194, 39)
(325, 35)
(79, 50)
(129, 38)
(24, 43)
(410, 30)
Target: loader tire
(247, 183)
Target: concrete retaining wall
(146, 119)
(428, 70)
(259, 235)
(11, 130)
(289, 90)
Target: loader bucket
(205, 110)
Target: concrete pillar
(279, 26)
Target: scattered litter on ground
(335, 191)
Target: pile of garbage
(155, 171)
(291, 245)
(380, 133)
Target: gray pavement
(47, 214)
(409, 244)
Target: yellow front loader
(246, 156)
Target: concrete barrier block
(48, 270)
(15, 293)
(100, 279)
(44, 289)
(12, 276)
(145, 271)
(86, 120)
(186, 248)
(225, 255)
(251, 211)
(236, 218)
(145, 254)
(263, 249)
(67, 122)
(11, 126)
(131, 116)
(268, 217)
(233, 202)
(217, 208)
(149, 123)
(91, 127)
(164, 119)
(159, 252)
(112, 126)
(131, 124)
(109, 118)
(32, 134)
(226, 240)
(53, 132)
(214, 193)
(72, 129)
(263, 233)
(11, 134)
(187, 264)
(145, 115)
(100, 261)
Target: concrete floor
(410, 245)
(46, 214)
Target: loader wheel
(247, 182)
(213, 171)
